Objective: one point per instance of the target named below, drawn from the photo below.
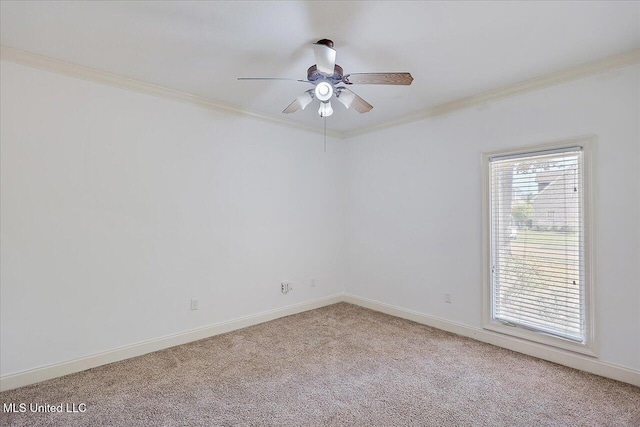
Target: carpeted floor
(338, 365)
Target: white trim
(562, 357)
(541, 351)
(581, 71)
(570, 74)
(589, 347)
(80, 72)
(36, 375)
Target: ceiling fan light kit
(325, 56)
(325, 109)
(323, 91)
(305, 99)
(328, 78)
(346, 97)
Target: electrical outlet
(286, 287)
(447, 298)
(194, 304)
(313, 283)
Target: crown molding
(73, 70)
(47, 63)
(610, 63)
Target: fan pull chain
(325, 134)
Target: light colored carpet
(338, 365)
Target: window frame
(588, 347)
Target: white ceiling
(452, 49)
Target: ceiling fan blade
(325, 58)
(300, 102)
(293, 107)
(378, 79)
(350, 99)
(274, 78)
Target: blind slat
(549, 281)
(569, 296)
(565, 311)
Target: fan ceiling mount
(329, 80)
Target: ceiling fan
(329, 79)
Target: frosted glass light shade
(323, 91)
(305, 99)
(346, 97)
(325, 58)
(325, 109)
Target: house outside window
(537, 238)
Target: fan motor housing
(314, 75)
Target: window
(538, 282)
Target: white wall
(118, 208)
(414, 227)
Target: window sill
(587, 348)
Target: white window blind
(537, 242)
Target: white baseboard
(561, 357)
(44, 373)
